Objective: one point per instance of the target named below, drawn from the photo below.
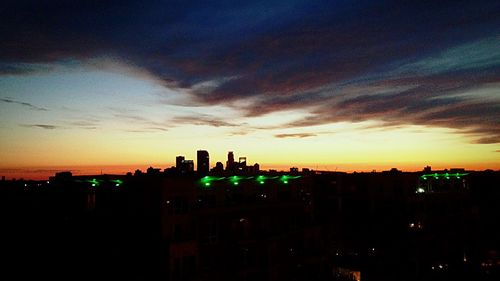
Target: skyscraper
(230, 161)
(178, 162)
(187, 166)
(203, 161)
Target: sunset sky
(329, 85)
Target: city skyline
(329, 85)
(202, 167)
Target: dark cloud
(131, 117)
(141, 123)
(147, 130)
(41, 126)
(203, 120)
(399, 62)
(26, 104)
(242, 132)
(89, 125)
(23, 68)
(421, 105)
(296, 135)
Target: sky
(342, 85)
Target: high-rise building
(219, 167)
(230, 161)
(187, 166)
(256, 167)
(242, 160)
(242, 164)
(203, 161)
(178, 161)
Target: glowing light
(420, 190)
(235, 180)
(117, 182)
(444, 175)
(93, 182)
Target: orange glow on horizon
(43, 173)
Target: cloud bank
(399, 62)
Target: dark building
(153, 171)
(230, 164)
(187, 166)
(253, 169)
(178, 161)
(219, 168)
(310, 225)
(203, 161)
(242, 164)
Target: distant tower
(242, 164)
(203, 161)
(242, 160)
(256, 167)
(187, 166)
(219, 167)
(178, 162)
(230, 161)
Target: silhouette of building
(253, 169)
(230, 165)
(153, 171)
(256, 167)
(270, 225)
(187, 166)
(219, 168)
(242, 164)
(203, 161)
(178, 162)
